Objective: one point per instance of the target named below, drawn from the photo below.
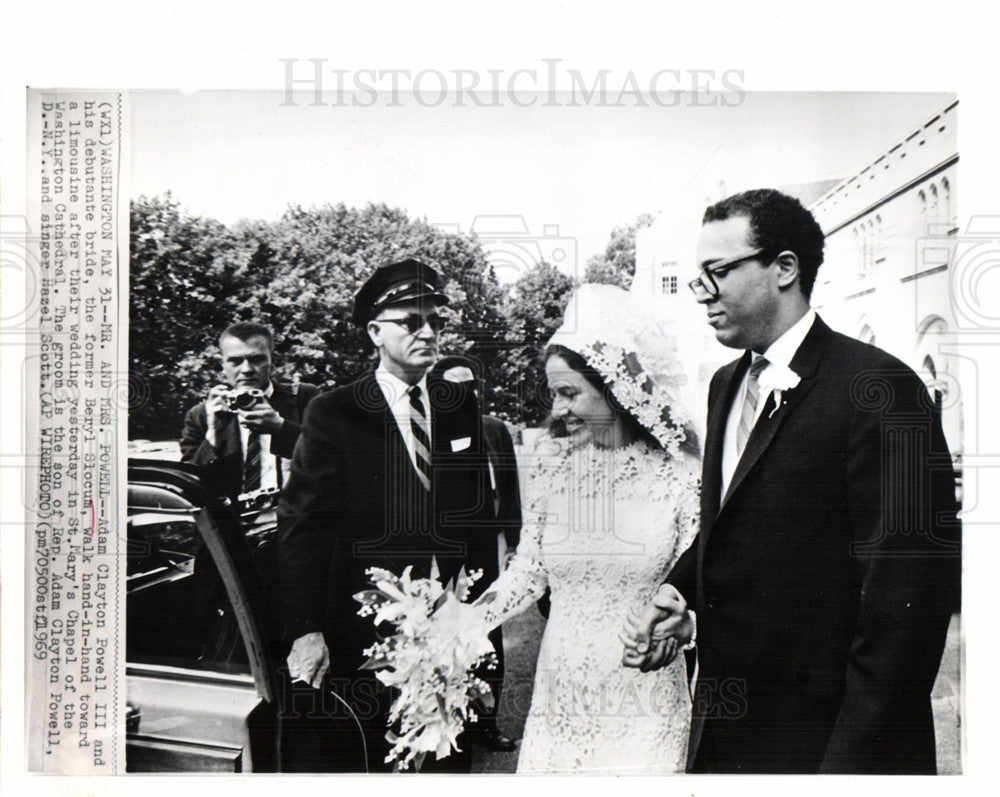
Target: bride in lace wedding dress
(609, 507)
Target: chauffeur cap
(405, 281)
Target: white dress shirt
(779, 353)
(396, 396)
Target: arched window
(929, 366)
(946, 199)
(936, 387)
(928, 343)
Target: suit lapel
(375, 409)
(732, 375)
(372, 406)
(804, 363)
(232, 444)
(447, 407)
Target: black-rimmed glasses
(414, 322)
(705, 285)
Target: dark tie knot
(415, 402)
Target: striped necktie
(749, 414)
(421, 437)
(251, 466)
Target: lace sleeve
(525, 579)
(522, 583)
(688, 506)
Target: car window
(178, 612)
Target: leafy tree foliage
(616, 266)
(184, 286)
(191, 277)
(535, 306)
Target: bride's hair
(582, 367)
(689, 444)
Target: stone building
(891, 230)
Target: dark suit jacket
(353, 501)
(824, 580)
(224, 464)
(500, 447)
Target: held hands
(309, 659)
(653, 635)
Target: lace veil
(637, 358)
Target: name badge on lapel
(461, 443)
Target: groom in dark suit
(389, 472)
(827, 565)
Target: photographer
(245, 431)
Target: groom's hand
(654, 635)
(309, 659)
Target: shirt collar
(783, 349)
(394, 388)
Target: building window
(949, 216)
(937, 387)
(669, 284)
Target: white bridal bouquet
(440, 639)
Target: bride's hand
(654, 634)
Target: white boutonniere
(777, 379)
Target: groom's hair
(777, 222)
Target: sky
(558, 173)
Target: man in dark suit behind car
(244, 433)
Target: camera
(244, 399)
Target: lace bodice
(599, 519)
(602, 529)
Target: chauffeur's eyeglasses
(414, 323)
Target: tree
(184, 283)
(319, 259)
(616, 265)
(535, 306)
(192, 277)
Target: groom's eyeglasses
(414, 323)
(705, 285)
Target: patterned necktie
(421, 437)
(251, 467)
(749, 414)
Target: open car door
(200, 641)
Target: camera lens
(245, 401)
